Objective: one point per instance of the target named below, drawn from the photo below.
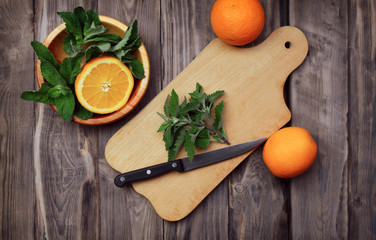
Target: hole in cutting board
(287, 44)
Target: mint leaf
(81, 14)
(94, 30)
(44, 54)
(70, 68)
(82, 112)
(96, 50)
(70, 45)
(212, 97)
(58, 91)
(194, 105)
(137, 69)
(40, 95)
(92, 17)
(72, 24)
(111, 38)
(173, 103)
(51, 74)
(189, 146)
(165, 106)
(168, 137)
(203, 139)
(129, 36)
(173, 151)
(65, 106)
(218, 121)
(163, 126)
(161, 115)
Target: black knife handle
(148, 172)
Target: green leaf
(92, 17)
(73, 25)
(51, 74)
(65, 106)
(173, 103)
(189, 146)
(137, 69)
(161, 115)
(70, 68)
(94, 30)
(203, 139)
(218, 121)
(111, 38)
(70, 45)
(212, 97)
(165, 106)
(168, 137)
(81, 14)
(163, 126)
(44, 54)
(129, 36)
(95, 50)
(173, 151)
(58, 90)
(39, 96)
(194, 105)
(82, 112)
(128, 56)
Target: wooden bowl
(54, 42)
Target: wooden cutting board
(253, 80)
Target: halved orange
(104, 85)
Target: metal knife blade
(184, 164)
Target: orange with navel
(289, 152)
(237, 22)
(104, 85)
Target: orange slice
(104, 85)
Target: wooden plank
(319, 103)
(124, 213)
(362, 120)
(257, 199)
(65, 153)
(17, 191)
(186, 30)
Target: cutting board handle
(286, 48)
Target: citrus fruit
(104, 85)
(237, 22)
(289, 152)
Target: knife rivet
(122, 179)
(174, 165)
(148, 172)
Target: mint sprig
(86, 38)
(59, 86)
(192, 123)
(84, 27)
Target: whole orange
(237, 22)
(289, 152)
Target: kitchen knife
(184, 164)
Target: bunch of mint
(86, 39)
(192, 123)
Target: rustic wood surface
(56, 184)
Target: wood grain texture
(319, 102)
(124, 213)
(65, 153)
(56, 183)
(262, 72)
(257, 199)
(17, 189)
(362, 120)
(186, 30)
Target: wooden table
(56, 183)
